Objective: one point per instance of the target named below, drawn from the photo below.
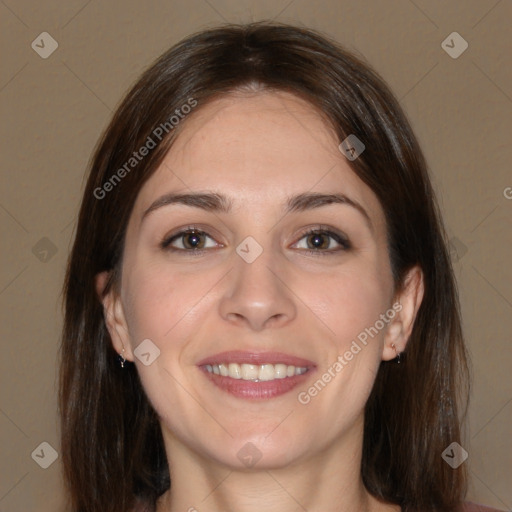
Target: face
(256, 297)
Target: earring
(393, 346)
(122, 360)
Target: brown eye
(318, 241)
(323, 242)
(189, 240)
(193, 240)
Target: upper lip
(257, 358)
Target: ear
(406, 305)
(114, 317)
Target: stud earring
(122, 359)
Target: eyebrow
(210, 202)
(213, 202)
(311, 200)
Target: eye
(322, 241)
(189, 240)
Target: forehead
(256, 147)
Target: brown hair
(112, 447)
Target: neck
(327, 482)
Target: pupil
(193, 240)
(317, 241)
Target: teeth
(280, 371)
(234, 371)
(267, 372)
(224, 370)
(249, 371)
(256, 373)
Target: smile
(255, 373)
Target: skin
(258, 149)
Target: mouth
(253, 375)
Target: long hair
(112, 448)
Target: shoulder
(473, 507)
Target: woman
(260, 311)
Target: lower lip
(256, 390)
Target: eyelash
(320, 230)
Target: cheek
(161, 303)
(356, 313)
(349, 302)
(164, 308)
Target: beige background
(54, 109)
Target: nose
(257, 296)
